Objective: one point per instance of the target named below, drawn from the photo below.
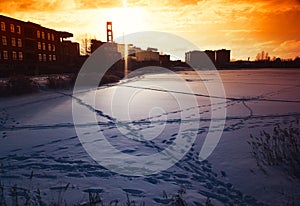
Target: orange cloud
(243, 26)
(287, 49)
(93, 4)
(13, 6)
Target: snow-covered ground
(40, 147)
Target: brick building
(30, 48)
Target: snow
(37, 135)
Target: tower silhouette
(109, 31)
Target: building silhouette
(222, 57)
(192, 56)
(198, 59)
(111, 49)
(70, 52)
(95, 44)
(164, 60)
(211, 54)
(30, 48)
(147, 55)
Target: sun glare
(127, 20)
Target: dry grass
(281, 148)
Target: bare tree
(262, 56)
(258, 57)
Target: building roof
(63, 34)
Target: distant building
(122, 48)
(70, 51)
(143, 56)
(95, 44)
(111, 49)
(152, 49)
(132, 50)
(222, 57)
(195, 58)
(164, 58)
(198, 59)
(192, 56)
(211, 54)
(26, 47)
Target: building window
(18, 29)
(49, 37)
(52, 37)
(14, 54)
(38, 34)
(13, 41)
(2, 26)
(49, 47)
(5, 54)
(43, 35)
(39, 46)
(12, 28)
(20, 56)
(54, 57)
(40, 57)
(4, 40)
(53, 47)
(44, 46)
(50, 57)
(19, 42)
(44, 57)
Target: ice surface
(37, 136)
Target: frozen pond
(39, 147)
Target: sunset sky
(245, 27)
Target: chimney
(109, 31)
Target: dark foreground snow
(39, 147)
